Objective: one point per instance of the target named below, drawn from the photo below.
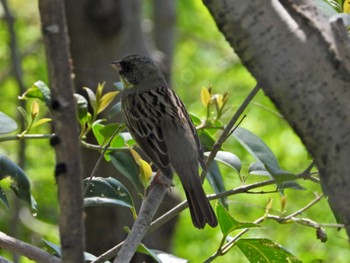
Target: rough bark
(302, 63)
(68, 161)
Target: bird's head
(134, 69)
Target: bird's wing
(194, 133)
(144, 125)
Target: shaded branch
(27, 250)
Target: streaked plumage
(160, 124)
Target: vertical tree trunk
(68, 162)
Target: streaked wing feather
(146, 131)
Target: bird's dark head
(134, 69)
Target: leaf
(145, 169)
(20, 183)
(258, 168)
(256, 147)
(206, 139)
(219, 100)
(92, 98)
(34, 109)
(160, 256)
(228, 224)
(195, 119)
(168, 258)
(265, 250)
(216, 181)
(40, 91)
(119, 85)
(227, 158)
(106, 100)
(262, 153)
(205, 96)
(125, 163)
(106, 192)
(346, 6)
(7, 124)
(3, 198)
(82, 108)
(56, 250)
(116, 108)
(41, 121)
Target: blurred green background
(202, 58)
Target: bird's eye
(126, 67)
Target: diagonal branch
(25, 249)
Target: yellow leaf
(41, 121)
(205, 96)
(106, 100)
(346, 6)
(35, 109)
(219, 100)
(145, 170)
(136, 156)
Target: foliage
(244, 154)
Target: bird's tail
(201, 211)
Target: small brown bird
(160, 124)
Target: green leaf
(125, 163)
(216, 181)
(3, 198)
(40, 91)
(227, 158)
(258, 168)
(92, 98)
(227, 223)
(106, 100)
(96, 128)
(256, 147)
(82, 108)
(206, 139)
(20, 183)
(144, 250)
(56, 251)
(265, 250)
(195, 119)
(7, 124)
(106, 192)
(52, 248)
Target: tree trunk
(305, 70)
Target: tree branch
(142, 223)
(22, 248)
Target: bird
(160, 124)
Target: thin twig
(26, 136)
(105, 148)
(228, 129)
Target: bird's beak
(116, 65)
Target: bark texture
(302, 62)
(67, 146)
